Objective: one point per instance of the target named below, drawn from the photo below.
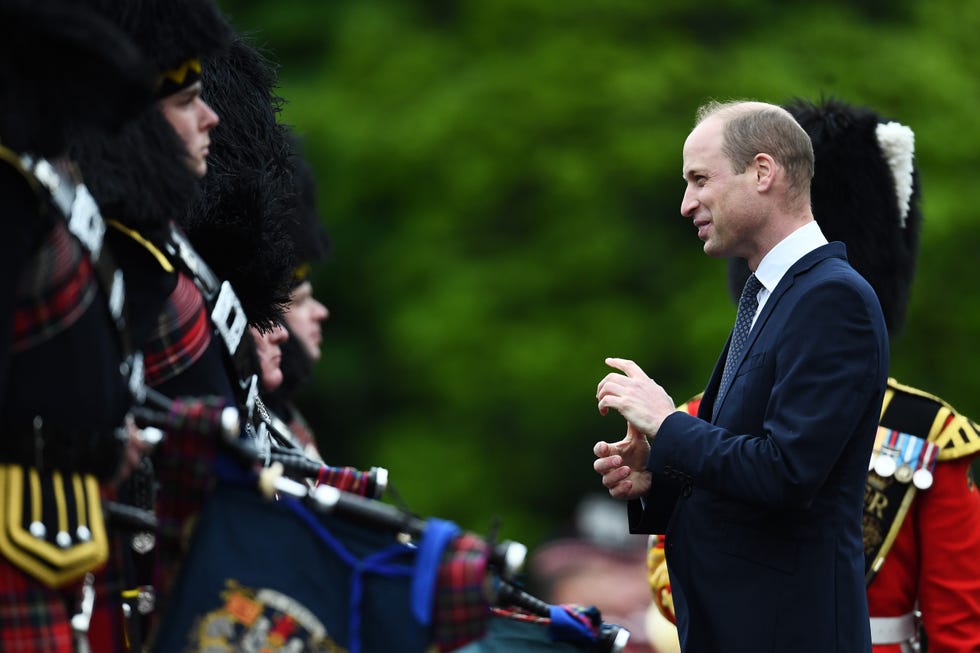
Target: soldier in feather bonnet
(144, 176)
(305, 313)
(237, 222)
(63, 341)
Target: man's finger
(622, 490)
(613, 383)
(610, 401)
(616, 477)
(607, 464)
(628, 367)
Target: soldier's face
(192, 119)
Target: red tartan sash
(181, 336)
(54, 291)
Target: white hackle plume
(897, 143)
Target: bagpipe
(212, 418)
(295, 555)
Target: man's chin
(712, 250)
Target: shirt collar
(787, 252)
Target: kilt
(34, 618)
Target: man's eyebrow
(191, 91)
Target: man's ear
(765, 171)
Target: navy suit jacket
(762, 506)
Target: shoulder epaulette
(931, 417)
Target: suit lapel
(710, 395)
(802, 266)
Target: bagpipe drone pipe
(279, 563)
(189, 442)
(186, 420)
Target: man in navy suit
(761, 494)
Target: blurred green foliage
(501, 182)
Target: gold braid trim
(150, 247)
(54, 564)
(12, 158)
(178, 75)
(896, 526)
(956, 435)
(302, 272)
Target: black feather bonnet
(864, 193)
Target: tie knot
(751, 288)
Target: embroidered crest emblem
(259, 621)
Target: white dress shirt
(782, 257)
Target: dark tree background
(501, 181)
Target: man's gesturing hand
(635, 396)
(644, 404)
(622, 465)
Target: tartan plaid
(107, 628)
(34, 618)
(185, 471)
(461, 610)
(303, 434)
(185, 474)
(575, 623)
(587, 616)
(519, 614)
(512, 630)
(54, 290)
(182, 334)
(347, 479)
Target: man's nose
(320, 311)
(688, 204)
(209, 119)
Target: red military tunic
(935, 556)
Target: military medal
(880, 436)
(922, 478)
(885, 464)
(910, 446)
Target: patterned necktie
(747, 305)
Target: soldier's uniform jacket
(63, 398)
(925, 551)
